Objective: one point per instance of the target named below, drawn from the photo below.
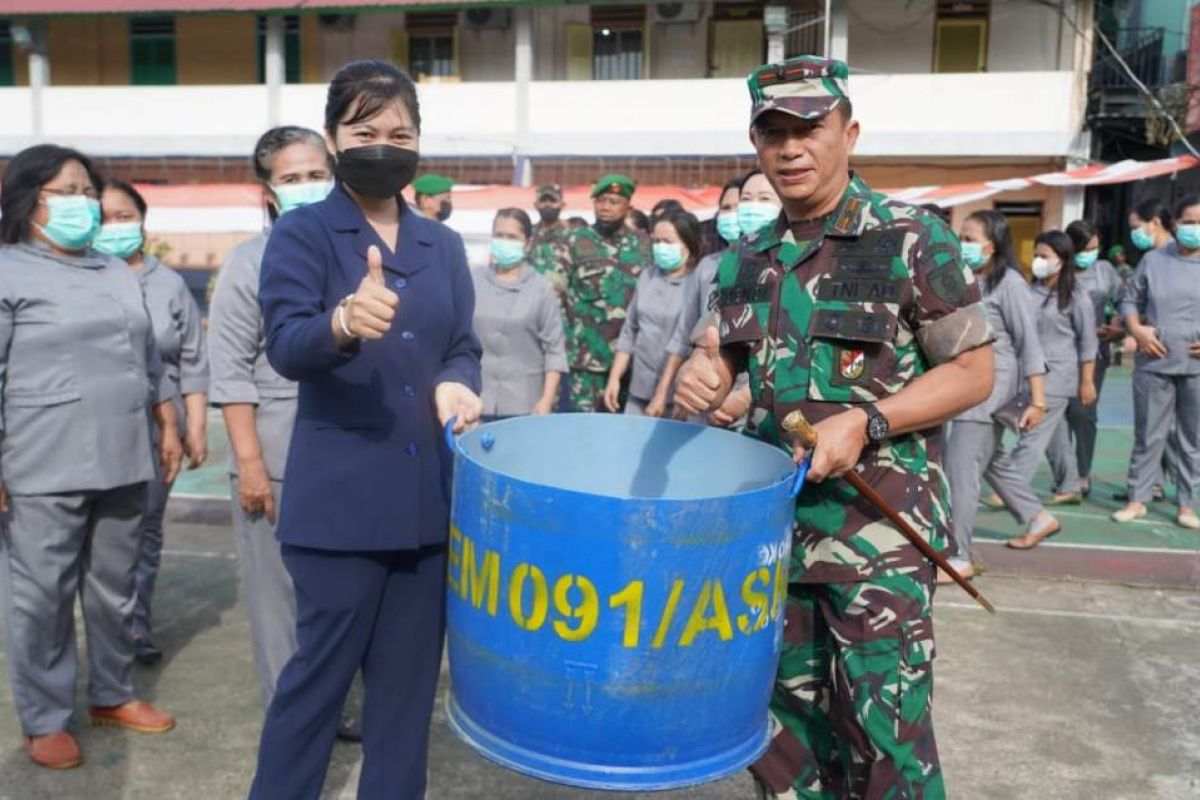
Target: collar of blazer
(413, 245)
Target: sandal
(1187, 519)
(1036, 534)
(1129, 513)
(944, 578)
(994, 502)
(1066, 499)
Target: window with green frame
(7, 78)
(152, 51)
(291, 49)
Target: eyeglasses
(88, 191)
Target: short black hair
(127, 189)
(664, 205)
(689, 230)
(1153, 208)
(1186, 202)
(24, 177)
(995, 228)
(519, 216)
(362, 89)
(1081, 232)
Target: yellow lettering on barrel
(779, 596)
(541, 600)
(755, 600)
(631, 598)
(453, 560)
(664, 625)
(476, 582)
(586, 613)
(712, 593)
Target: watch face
(877, 428)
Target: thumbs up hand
(704, 379)
(370, 311)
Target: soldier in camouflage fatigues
(550, 237)
(602, 264)
(827, 315)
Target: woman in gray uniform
(975, 448)
(652, 315)
(518, 320)
(1162, 312)
(1099, 280)
(180, 339)
(1067, 329)
(80, 377)
(259, 406)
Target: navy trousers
(383, 612)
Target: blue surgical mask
(294, 195)
(73, 220)
(972, 253)
(1086, 258)
(1188, 235)
(120, 239)
(753, 216)
(507, 253)
(1141, 239)
(728, 227)
(667, 256)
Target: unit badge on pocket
(852, 364)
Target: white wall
(995, 114)
(898, 36)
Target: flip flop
(1036, 534)
(1066, 499)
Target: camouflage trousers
(586, 391)
(850, 715)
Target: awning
(1093, 175)
(46, 7)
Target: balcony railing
(1142, 50)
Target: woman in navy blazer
(368, 306)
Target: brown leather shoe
(54, 750)
(134, 715)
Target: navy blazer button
(412, 449)
(407, 336)
(409, 391)
(400, 283)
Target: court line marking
(200, 554)
(1164, 622)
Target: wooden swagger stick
(795, 424)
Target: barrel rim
(767, 488)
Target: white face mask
(1043, 267)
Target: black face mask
(609, 229)
(376, 170)
(549, 214)
(445, 209)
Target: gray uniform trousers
(1162, 404)
(1078, 425)
(267, 591)
(150, 542)
(1032, 446)
(57, 547)
(975, 450)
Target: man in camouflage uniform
(857, 312)
(549, 237)
(601, 264)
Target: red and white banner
(233, 208)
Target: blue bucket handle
(801, 474)
(452, 443)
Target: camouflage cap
(550, 191)
(614, 183)
(806, 87)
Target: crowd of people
(97, 338)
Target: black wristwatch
(877, 424)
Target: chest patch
(860, 290)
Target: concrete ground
(1073, 690)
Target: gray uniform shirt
(240, 372)
(649, 323)
(519, 324)
(177, 328)
(1068, 338)
(1165, 293)
(79, 372)
(1017, 350)
(698, 288)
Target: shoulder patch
(947, 283)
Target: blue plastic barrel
(616, 595)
